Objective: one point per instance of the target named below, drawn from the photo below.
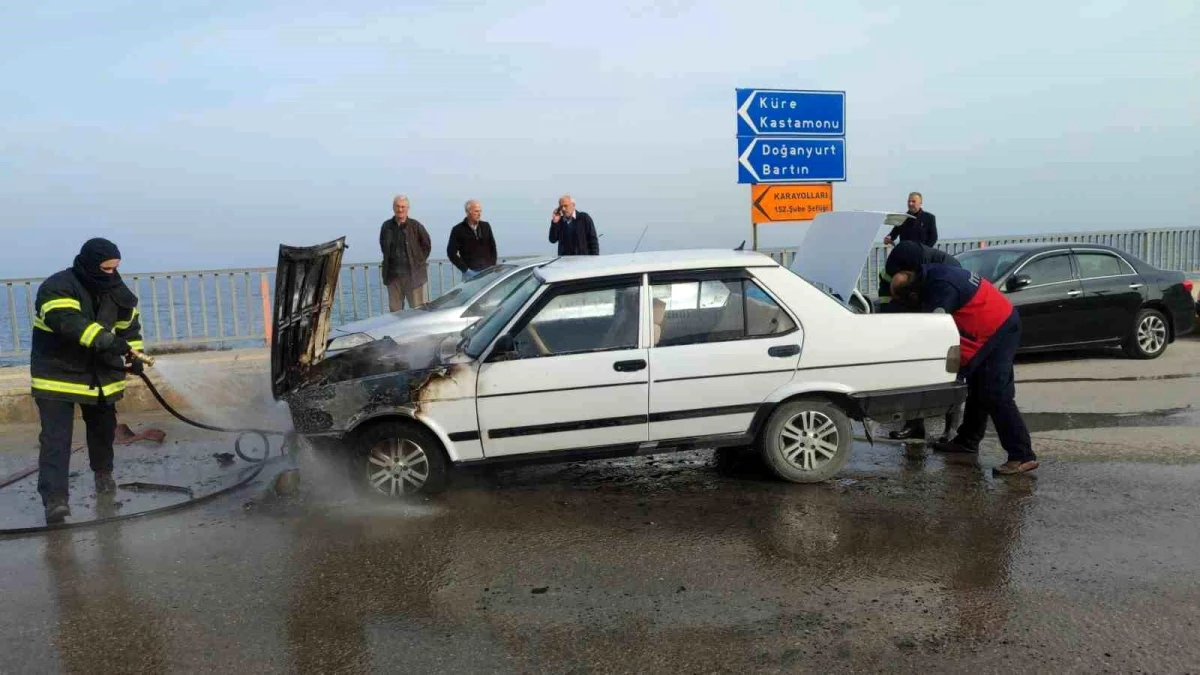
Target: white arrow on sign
(744, 160)
(742, 112)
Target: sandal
(1014, 467)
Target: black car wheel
(398, 460)
(1148, 336)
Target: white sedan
(615, 355)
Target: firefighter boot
(105, 485)
(57, 509)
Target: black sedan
(1084, 295)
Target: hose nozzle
(143, 358)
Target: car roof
(572, 268)
(1034, 247)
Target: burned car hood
(380, 357)
(305, 285)
(836, 245)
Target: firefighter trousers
(58, 422)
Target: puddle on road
(1132, 378)
(1066, 421)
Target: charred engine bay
(382, 373)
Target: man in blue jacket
(989, 333)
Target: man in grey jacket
(406, 246)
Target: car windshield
(480, 335)
(462, 293)
(991, 264)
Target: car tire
(807, 440)
(399, 460)
(1148, 335)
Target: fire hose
(288, 445)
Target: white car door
(579, 378)
(720, 345)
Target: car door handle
(1135, 286)
(1071, 294)
(783, 351)
(629, 366)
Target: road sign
(788, 112)
(781, 203)
(791, 160)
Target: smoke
(225, 394)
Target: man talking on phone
(572, 230)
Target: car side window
(764, 316)
(583, 321)
(698, 312)
(1048, 270)
(1094, 265)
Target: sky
(201, 135)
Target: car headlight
(349, 341)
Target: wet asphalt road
(677, 563)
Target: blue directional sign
(784, 112)
(791, 160)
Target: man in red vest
(989, 333)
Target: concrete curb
(247, 369)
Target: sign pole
(754, 235)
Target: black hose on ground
(289, 439)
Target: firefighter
(989, 331)
(85, 334)
(909, 256)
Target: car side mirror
(504, 349)
(1018, 282)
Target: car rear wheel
(807, 440)
(1148, 338)
(400, 460)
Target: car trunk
(835, 246)
(305, 286)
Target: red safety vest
(980, 318)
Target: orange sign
(781, 203)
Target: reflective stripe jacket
(73, 333)
(978, 307)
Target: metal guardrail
(231, 308)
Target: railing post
(266, 309)
(12, 310)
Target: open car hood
(305, 283)
(836, 246)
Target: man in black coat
(472, 247)
(919, 227)
(572, 230)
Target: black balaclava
(87, 266)
(908, 256)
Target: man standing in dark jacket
(472, 248)
(406, 246)
(85, 333)
(920, 227)
(572, 230)
(909, 256)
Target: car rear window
(1096, 264)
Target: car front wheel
(807, 440)
(399, 460)
(1148, 339)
